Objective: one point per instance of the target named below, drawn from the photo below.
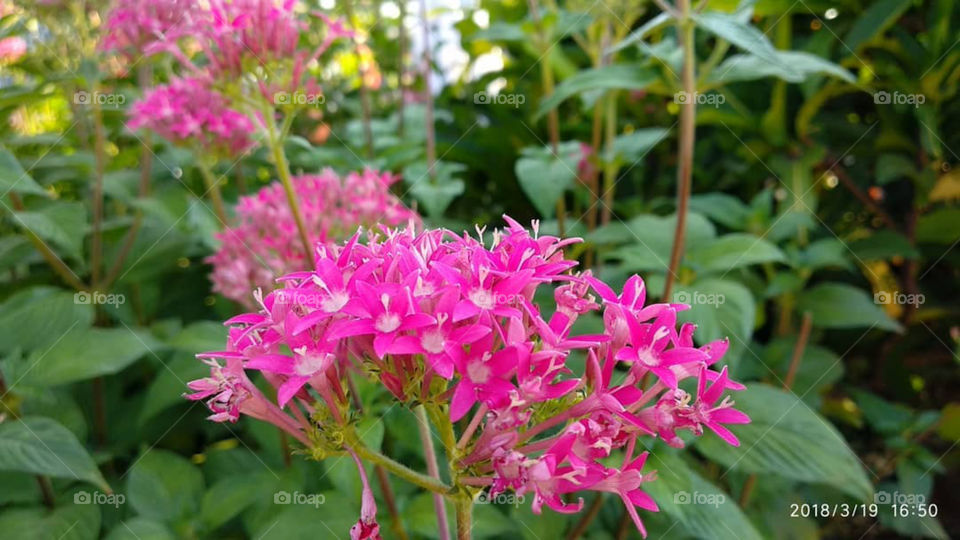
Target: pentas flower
(12, 49)
(453, 323)
(264, 245)
(188, 113)
(136, 26)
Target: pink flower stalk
(188, 113)
(12, 49)
(451, 322)
(264, 245)
(133, 26)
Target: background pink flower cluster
(445, 319)
(264, 246)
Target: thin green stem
(213, 188)
(430, 456)
(55, 262)
(283, 170)
(609, 165)
(464, 507)
(99, 155)
(402, 471)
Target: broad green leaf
(65, 522)
(332, 519)
(819, 367)
(14, 178)
(62, 223)
(890, 167)
(500, 31)
(232, 495)
(885, 417)
(42, 446)
(882, 245)
(733, 251)
(89, 353)
(35, 318)
(544, 177)
(700, 509)
(140, 528)
(18, 487)
(637, 35)
(872, 22)
(740, 33)
(838, 305)
(421, 518)
(169, 384)
(791, 66)
(940, 226)
(435, 194)
(201, 336)
(649, 239)
(164, 486)
(725, 209)
(786, 438)
(824, 253)
(721, 308)
(634, 146)
(15, 250)
(611, 77)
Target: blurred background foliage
(821, 235)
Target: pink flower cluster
(187, 113)
(448, 320)
(12, 49)
(264, 245)
(132, 26)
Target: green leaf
(819, 367)
(232, 495)
(66, 522)
(14, 178)
(164, 486)
(940, 226)
(435, 194)
(36, 317)
(883, 416)
(611, 77)
(701, 509)
(791, 66)
(838, 305)
(824, 253)
(42, 446)
(891, 167)
(725, 209)
(873, 22)
(634, 146)
(720, 308)
(637, 35)
(89, 353)
(733, 251)
(544, 177)
(742, 34)
(882, 245)
(169, 384)
(332, 519)
(500, 31)
(649, 239)
(786, 438)
(140, 529)
(201, 336)
(63, 224)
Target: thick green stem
(402, 471)
(687, 131)
(464, 506)
(283, 170)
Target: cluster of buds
(451, 323)
(264, 246)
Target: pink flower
(437, 317)
(187, 113)
(12, 49)
(133, 25)
(264, 245)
